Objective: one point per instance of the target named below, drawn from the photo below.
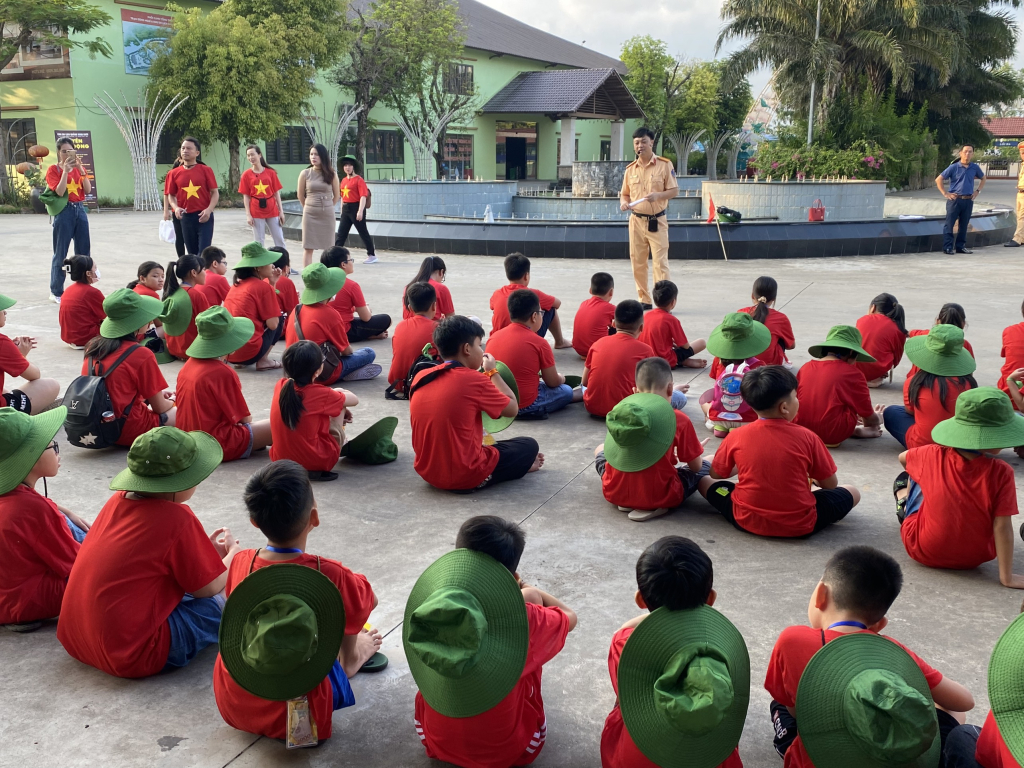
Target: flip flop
(276, 364)
(376, 663)
(642, 515)
(369, 371)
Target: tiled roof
(596, 93)
(1004, 127)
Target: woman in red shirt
(81, 306)
(261, 192)
(67, 177)
(193, 192)
(432, 271)
(182, 303)
(763, 311)
(884, 332)
(255, 299)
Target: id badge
(301, 731)
(652, 224)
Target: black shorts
(682, 354)
(832, 504)
(18, 400)
(515, 457)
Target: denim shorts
(194, 625)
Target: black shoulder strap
(298, 328)
(430, 375)
(93, 363)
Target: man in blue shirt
(960, 198)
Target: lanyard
(856, 624)
(286, 550)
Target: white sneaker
(55, 299)
(371, 259)
(642, 515)
(75, 346)
(625, 509)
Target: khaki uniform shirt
(641, 180)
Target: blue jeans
(340, 687)
(678, 399)
(549, 400)
(548, 317)
(194, 625)
(76, 532)
(897, 421)
(957, 211)
(70, 225)
(961, 745)
(356, 360)
(196, 234)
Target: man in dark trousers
(960, 198)
(355, 196)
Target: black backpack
(87, 400)
(421, 363)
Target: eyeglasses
(56, 448)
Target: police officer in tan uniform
(650, 179)
(1018, 236)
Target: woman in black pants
(355, 198)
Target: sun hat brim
(366, 439)
(820, 694)
(953, 434)
(644, 658)
(634, 458)
(574, 381)
(238, 336)
(818, 350)
(261, 259)
(209, 455)
(16, 467)
(313, 588)
(960, 364)
(494, 426)
(1006, 687)
(741, 349)
(6, 302)
(503, 655)
(177, 313)
(326, 291)
(149, 310)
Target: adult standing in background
(318, 193)
(355, 196)
(194, 195)
(960, 198)
(261, 192)
(68, 177)
(1018, 236)
(647, 186)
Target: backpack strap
(298, 328)
(93, 363)
(430, 375)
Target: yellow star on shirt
(345, 192)
(74, 188)
(260, 188)
(192, 190)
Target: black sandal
(902, 482)
(376, 663)
(323, 476)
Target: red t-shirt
(209, 399)
(447, 431)
(216, 288)
(261, 186)
(287, 296)
(39, 551)
(618, 750)
(962, 499)
(782, 336)
(884, 341)
(659, 485)
(592, 321)
(134, 381)
(407, 344)
(320, 323)
(178, 345)
(445, 306)
(991, 751)
(12, 362)
(512, 732)
(499, 304)
(526, 354)
(310, 443)
(349, 297)
(191, 187)
(774, 459)
(75, 187)
(793, 650)
(930, 410)
(832, 394)
(1012, 351)
(612, 365)
(80, 313)
(246, 712)
(140, 558)
(352, 189)
(663, 332)
(256, 300)
(142, 290)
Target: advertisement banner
(142, 33)
(83, 146)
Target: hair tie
(67, 268)
(762, 300)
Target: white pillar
(568, 136)
(618, 137)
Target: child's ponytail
(177, 271)
(302, 360)
(886, 304)
(952, 314)
(765, 291)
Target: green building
(532, 87)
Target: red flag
(711, 210)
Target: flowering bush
(863, 160)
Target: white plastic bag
(167, 231)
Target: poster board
(142, 34)
(83, 146)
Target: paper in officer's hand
(635, 203)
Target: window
(459, 80)
(291, 149)
(385, 148)
(606, 150)
(167, 148)
(457, 161)
(18, 135)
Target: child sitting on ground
(1012, 353)
(445, 403)
(471, 611)
(281, 282)
(736, 345)
(216, 286)
(208, 394)
(594, 317)
(150, 281)
(280, 503)
(432, 271)
(674, 580)
(835, 403)
(40, 539)
(646, 440)
(145, 592)
(884, 333)
(664, 333)
(949, 314)
(306, 418)
(413, 334)
(81, 305)
(855, 592)
(526, 353)
(36, 393)
(183, 303)
(253, 298)
(357, 317)
(955, 500)
(517, 270)
(777, 463)
(763, 311)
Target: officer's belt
(649, 215)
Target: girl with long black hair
(432, 271)
(318, 193)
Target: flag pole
(713, 217)
(717, 224)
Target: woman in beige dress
(318, 193)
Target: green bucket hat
(220, 333)
(739, 337)
(23, 439)
(684, 687)
(465, 633)
(321, 282)
(984, 418)
(168, 460)
(6, 302)
(494, 426)
(574, 381)
(941, 352)
(349, 159)
(842, 337)
(863, 702)
(1006, 687)
(126, 312)
(640, 429)
(177, 313)
(374, 445)
(281, 630)
(255, 255)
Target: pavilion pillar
(618, 139)
(568, 136)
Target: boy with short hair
(646, 439)
(777, 462)
(609, 374)
(856, 590)
(413, 334)
(674, 585)
(517, 270)
(359, 321)
(145, 592)
(444, 407)
(216, 286)
(664, 333)
(477, 706)
(525, 352)
(279, 498)
(594, 317)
